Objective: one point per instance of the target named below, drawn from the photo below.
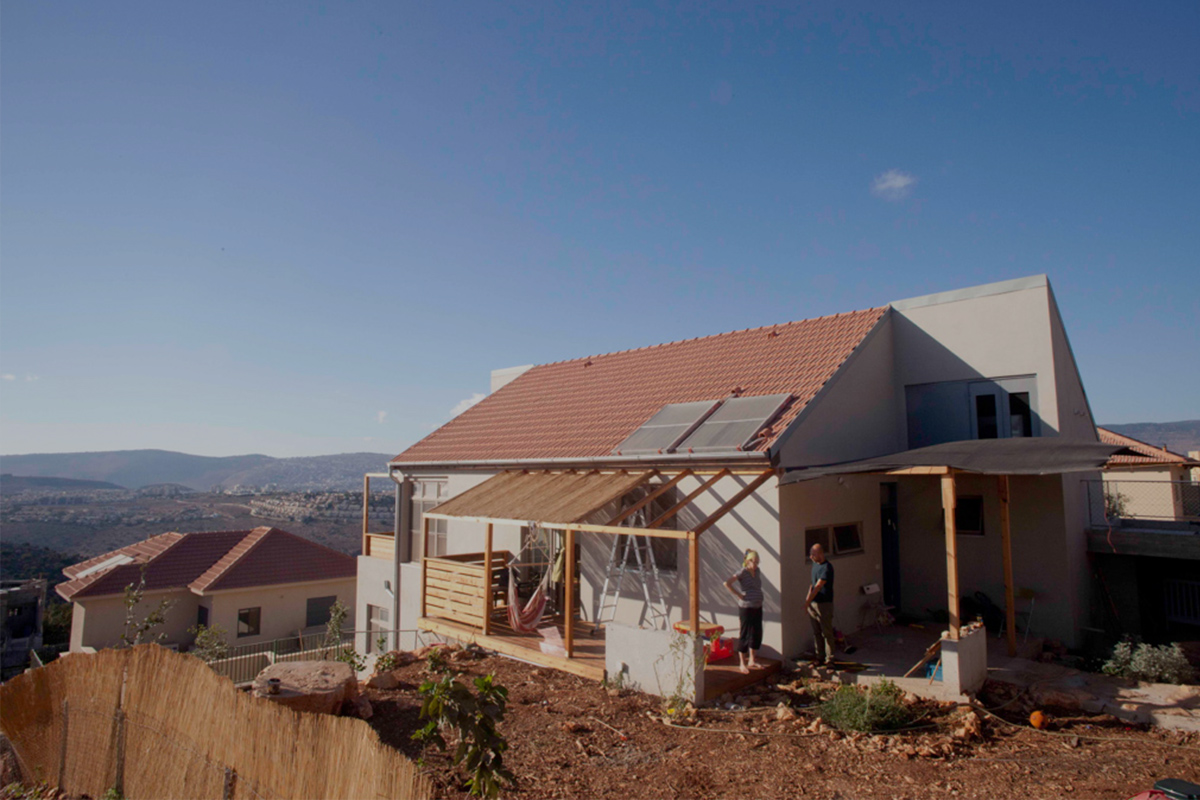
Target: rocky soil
(570, 737)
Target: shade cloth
(1047, 455)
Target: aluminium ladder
(645, 568)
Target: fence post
(119, 735)
(62, 754)
(230, 784)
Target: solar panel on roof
(665, 429)
(734, 424)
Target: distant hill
(138, 468)
(1179, 437)
(19, 483)
(19, 560)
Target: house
(22, 603)
(1148, 483)
(702, 445)
(1144, 542)
(257, 585)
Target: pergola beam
(733, 501)
(675, 509)
(648, 499)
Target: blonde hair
(749, 555)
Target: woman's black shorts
(752, 624)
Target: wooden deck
(720, 677)
(589, 652)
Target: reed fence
(157, 724)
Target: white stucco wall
(284, 608)
(812, 504)
(99, 622)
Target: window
(426, 495)
(248, 621)
(317, 611)
(1020, 414)
(666, 551)
(847, 539)
(968, 515)
(1003, 408)
(837, 540)
(202, 616)
(987, 423)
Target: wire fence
(242, 663)
(149, 722)
(1111, 501)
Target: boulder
(383, 680)
(319, 687)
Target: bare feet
(742, 668)
(754, 665)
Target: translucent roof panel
(734, 424)
(666, 428)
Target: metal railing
(1113, 501)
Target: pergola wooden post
(1010, 611)
(424, 562)
(487, 581)
(949, 502)
(694, 582)
(569, 611)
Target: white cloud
(380, 416)
(8, 377)
(893, 185)
(466, 403)
(32, 377)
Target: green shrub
(473, 716)
(880, 708)
(1145, 662)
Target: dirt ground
(570, 737)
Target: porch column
(948, 504)
(366, 513)
(1010, 611)
(424, 561)
(569, 611)
(694, 582)
(487, 582)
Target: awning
(1036, 456)
(543, 496)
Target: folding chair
(875, 607)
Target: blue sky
(297, 229)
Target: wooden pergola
(503, 494)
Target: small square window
(968, 515)
(847, 539)
(816, 536)
(248, 621)
(316, 610)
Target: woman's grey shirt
(751, 586)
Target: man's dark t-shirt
(823, 572)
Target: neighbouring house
(257, 585)
(1149, 482)
(1145, 541)
(888, 434)
(21, 605)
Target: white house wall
(99, 622)
(855, 415)
(819, 503)
(284, 608)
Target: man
(820, 605)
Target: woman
(750, 613)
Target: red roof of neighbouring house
(207, 561)
(586, 407)
(1147, 454)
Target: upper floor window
(951, 411)
(427, 493)
(1002, 409)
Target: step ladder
(639, 550)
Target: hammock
(525, 620)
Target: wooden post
(694, 582)
(948, 504)
(569, 611)
(424, 561)
(62, 748)
(487, 582)
(366, 545)
(1010, 611)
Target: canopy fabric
(542, 496)
(1048, 455)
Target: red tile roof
(1147, 453)
(585, 407)
(209, 561)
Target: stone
(362, 707)
(319, 687)
(783, 712)
(383, 680)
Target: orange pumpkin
(1038, 720)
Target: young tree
(210, 644)
(137, 630)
